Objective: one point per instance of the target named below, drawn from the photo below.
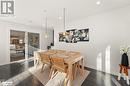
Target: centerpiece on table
(124, 51)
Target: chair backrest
(37, 54)
(45, 58)
(58, 62)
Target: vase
(125, 61)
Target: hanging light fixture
(46, 35)
(64, 21)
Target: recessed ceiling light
(98, 2)
(60, 18)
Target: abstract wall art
(74, 36)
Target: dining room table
(70, 58)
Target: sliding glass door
(33, 43)
(23, 44)
(17, 45)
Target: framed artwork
(71, 36)
(82, 35)
(62, 37)
(33, 40)
(74, 36)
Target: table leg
(82, 62)
(70, 74)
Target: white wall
(47, 41)
(5, 28)
(108, 31)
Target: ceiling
(31, 12)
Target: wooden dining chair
(45, 59)
(37, 57)
(59, 65)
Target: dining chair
(37, 57)
(45, 59)
(59, 65)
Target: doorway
(17, 45)
(23, 44)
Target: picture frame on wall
(82, 35)
(71, 36)
(74, 36)
(34, 39)
(62, 38)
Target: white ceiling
(31, 12)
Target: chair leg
(51, 72)
(37, 62)
(42, 67)
(66, 80)
(80, 69)
(54, 74)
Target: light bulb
(64, 33)
(46, 36)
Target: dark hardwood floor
(30, 81)
(95, 78)
(10, 70)
(98, 78)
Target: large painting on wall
(62, 38)
(74, 36)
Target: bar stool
(124, 71)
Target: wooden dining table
(70, 58)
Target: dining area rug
(43, 76)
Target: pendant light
(46, 35)
(64, 21)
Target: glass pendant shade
(46, 35)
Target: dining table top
(69, 56)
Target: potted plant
(124, 51)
